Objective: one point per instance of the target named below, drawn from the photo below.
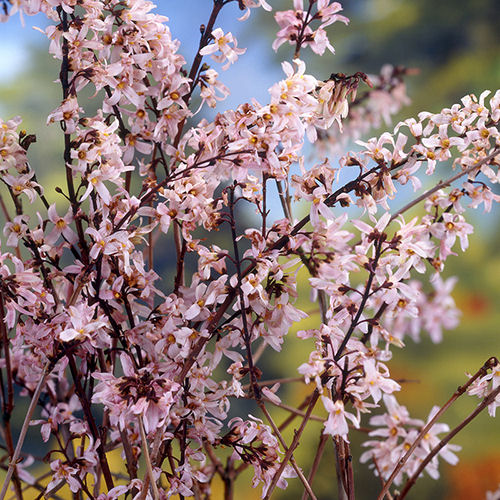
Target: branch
(154, 487)
(490, 363)
(305, 482)
(323, 438)
(486, 401)
(293, 445)
(446, 183)
(24, 429)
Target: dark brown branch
(91, 421)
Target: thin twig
(486, 401)
(323, 438)
(293, 445)
(293, 410)
(277, 433)
(24, 429)
(8, 403)
(264, 383)
(145, 450)
(8, 218)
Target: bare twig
(24, 429)
(145, 450)
(277, 433)
(293, 410)
(293, 445)
(323, 438)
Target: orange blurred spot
(472, 479)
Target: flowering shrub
(119, 359)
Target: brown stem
(305, 23)
(246, 333)
(445, 183)
(293, 445)
(339, 470)
(490, 398)
(180, 248)
(293, 410)
(366, 295)
(8, 218)
(264, 205)
(24, 429)
(349, 471)
(145, 450)
(273, 381)
(63, 77)
(323, 438)
(490, 363)
(277, 433)
(131, 462)
(205, 37)
(37, 485)
(90, 420)
(8, 404)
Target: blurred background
(456, 46)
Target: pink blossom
(336, 425)
(221, 43)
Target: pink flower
(336, 425)
(376, 382)
(22, 184)
(61, 226)
(81, 323)
(295, 25)
(452, 227)
(222, 43)
(142, 392)
(15, 230)
(63, 473)
(68, 113)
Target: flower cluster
(254, 443)
(398, 432)
(121, 354)
(488, 385)
(296, 25)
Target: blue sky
(185, 20)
